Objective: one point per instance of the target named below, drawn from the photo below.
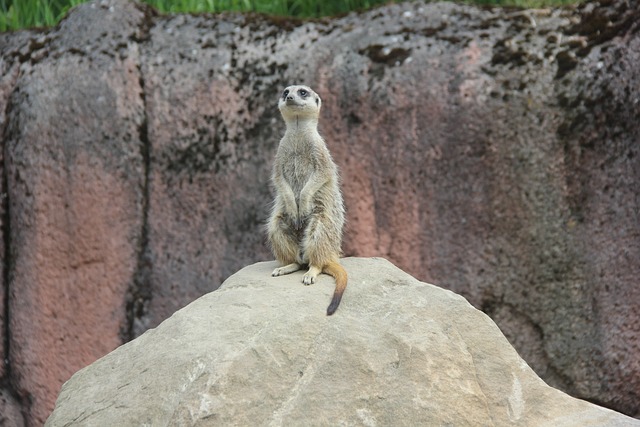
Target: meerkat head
(299, 102)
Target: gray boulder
(261, 351)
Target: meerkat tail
(340, 275)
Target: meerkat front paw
(281, 271)
(310, 276)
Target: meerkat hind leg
(310, 276)
(290, 268)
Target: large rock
(397, 352)
(491, 150)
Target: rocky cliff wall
(490, 151)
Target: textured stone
(10, 410)
(8, 76)
(397, 352)
(75, 176)
(10, 407)
(211, 142)
(601, 132)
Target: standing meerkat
(305, 227)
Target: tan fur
(305, 227)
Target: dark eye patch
(303, 93)
(285, 93)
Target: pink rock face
(74, 261)
(491, 152)
(10, 408)
(210, 163)
(75, 175)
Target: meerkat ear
(317, 100)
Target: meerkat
(305, 226)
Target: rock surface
(397, 352)
(491, 150)
(75, 177)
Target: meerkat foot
(310, 276)
(281, 271)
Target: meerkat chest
(298, 159)
(299, 167)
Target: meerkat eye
(303, 93)
(285, 93)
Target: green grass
(16, 14)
